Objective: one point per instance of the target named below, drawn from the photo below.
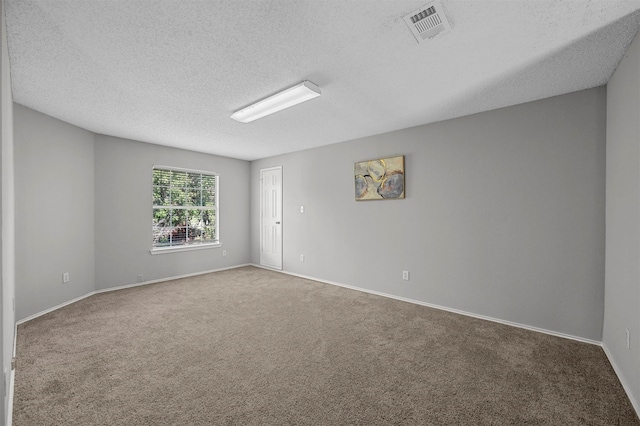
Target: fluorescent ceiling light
(282, 100)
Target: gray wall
(622, 281)
(54, 212)
(7, 219)
(504, 215)
(88, 212)
(123, 212)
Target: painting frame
(380, 179)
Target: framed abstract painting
(380, 179)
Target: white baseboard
(12, 379)
(177, 277)
(442, 308)
(54, 308)
(105, 290)
(9, 416)
(623, 381)
(616, 369)
(625, 385)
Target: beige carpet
(255, 347)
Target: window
(185, 208)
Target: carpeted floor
(255, 347)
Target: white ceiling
(172, 71)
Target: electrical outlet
(302, 258)
(224, 252)
(301, 209)
(65, 277)
(405, 275)
(140, 278)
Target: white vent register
(427, 22)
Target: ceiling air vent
(427, 22)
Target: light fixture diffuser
(282, 100)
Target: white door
(271, 217)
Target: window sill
(166, 250)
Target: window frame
(215, 209)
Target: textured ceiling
(172, 71)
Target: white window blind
(185, 208)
